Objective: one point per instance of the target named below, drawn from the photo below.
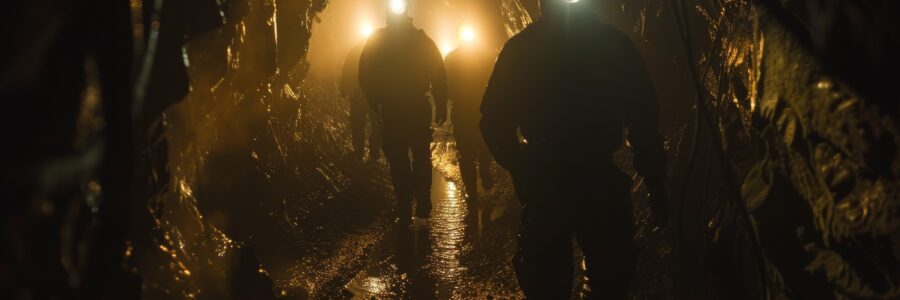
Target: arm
(452, 86)
(346, 83)
(438, 82)
(366, 79)
(642, 119)
(499, 124)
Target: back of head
(556, 11)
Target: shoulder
(356, 50)
(532, 35)
(378, 33)
(376, 37)
(423, 37)
(421, 33)
(524, 37)
(451, 57)
(613, 36)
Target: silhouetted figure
(399, 65)
(569, 84)
(468, 70)
(361, 113)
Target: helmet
(555, 9)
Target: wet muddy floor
(462, 252)
(323, 224)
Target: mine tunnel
(450, 149)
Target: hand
(440, 117)
(659, 205)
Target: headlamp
(398, 7)
(366, 30)
(466, 34)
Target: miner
(571, 85)
(400, 64)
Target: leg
(467, 169)
(397, 153)
(604, 232)
(469, 176)
(374, 136)
(422, 168)
(544, 263)
(358, 126)
(485, 160)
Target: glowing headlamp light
(366, 30)
(398, 7)
(571, 1)
(466, 34)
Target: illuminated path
(456, 257)
(349, 246)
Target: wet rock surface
(815, 165)
(813, 153)
(263, 202)
(322, 224)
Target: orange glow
(446, 48)
(398, 6)
(466, 34)
(366, 30)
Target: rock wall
(811, 159)
(814, 161)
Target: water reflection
(428, 259)
(447, 232)
(323, 226)
(376, 285)
(444, 260)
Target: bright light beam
(446, 49)
(466, 34)
(398, 6)
(366, 30)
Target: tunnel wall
(813, 161)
